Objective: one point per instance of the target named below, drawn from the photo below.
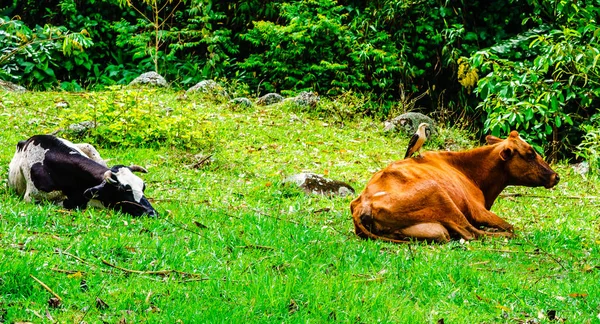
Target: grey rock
(77, 130)
(208, 86)
(582, 168)
(315, 184)
(305, 99)
(269, 99)
(241, 102)
(61, 104)
(11, 87)
(81, 128)
(408, 123)
(150, 78)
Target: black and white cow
(46, 167)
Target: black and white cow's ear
(137, 168)
(94, 192)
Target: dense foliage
(524, 64)
(545, 81)
(126, 118)
(30, 55)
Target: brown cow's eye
(531, 155)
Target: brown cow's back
(447, 192)
(414, 191)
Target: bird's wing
(411, 145)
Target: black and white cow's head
(122, 190)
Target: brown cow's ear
(514, 134)
(506, 153)
(492, 139)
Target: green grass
(244, 248)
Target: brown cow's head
(523, 165)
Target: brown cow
(447, 192)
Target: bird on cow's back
(417, 140)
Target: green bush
(98, 65)
(545, 81)
(343, 108)
(589, 148)
(31, 56)
(305, 52)
(139, 118)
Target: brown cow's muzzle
(553, 181)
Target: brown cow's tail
(362, 213)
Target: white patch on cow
(30, 155)
(70, 145)
(16, 179)
(381, 193)
(91, 152)
(34, 154)
(126, 177)
(86, 150)
(74, 147)
(19, 174)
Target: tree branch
(45, 287)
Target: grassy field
(233, 245)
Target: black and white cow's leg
(41, 179)
(41, 185)
(75, 201)
(32, 191)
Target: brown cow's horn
(108, 177)
(137, 168)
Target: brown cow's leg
(426, 231)
(456, 221)
(388, 219)
(468, 231)
(461, 230)
(484, 217)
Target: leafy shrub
(589, 148)
(452, 138)
(343, 108)
(29, 55)
(326, 46)
(182, 40)
(204, 40)
(140, 118)
(545, 81)
(285, 53)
